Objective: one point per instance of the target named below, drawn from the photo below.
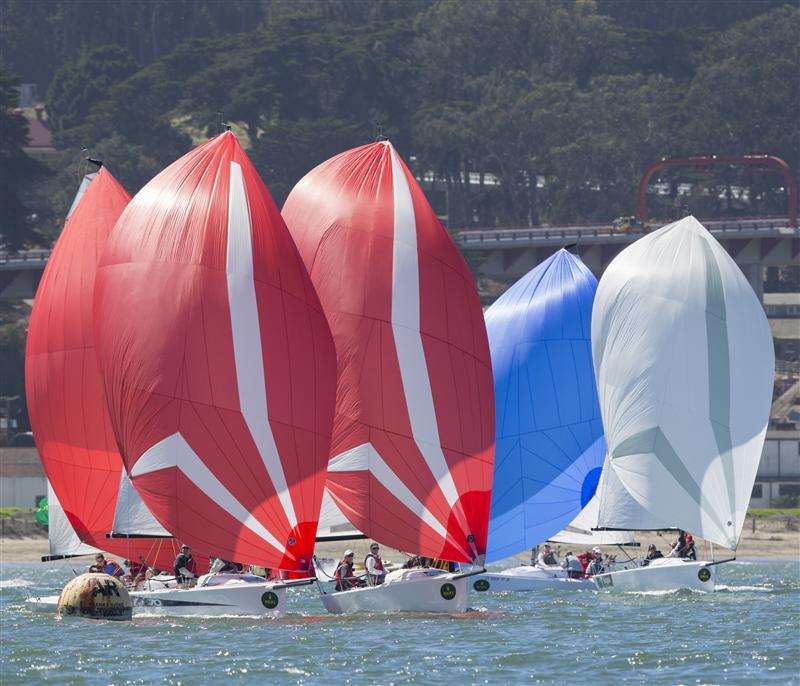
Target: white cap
(596, 550)
(348, 552)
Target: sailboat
(550, 447)
(684, 361)
(64, 389)
(412, 446)
(219, 373)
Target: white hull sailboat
(413, 437)
(222, 399)
(550, 446)
(529, 578)
(684, 362)
(404, 590)
(663, 574)
(215, 594)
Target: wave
(749, 589)
(15, 583)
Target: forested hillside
(524, 111)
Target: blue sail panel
(549, 444)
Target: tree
(744, 95)
(18, 172)
(78, 86)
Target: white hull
(663, 574)
(528, 578)
(47, 603)
(233, 597)
(405, 590)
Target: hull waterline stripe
(175, 452)
(246, 332)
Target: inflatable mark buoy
(95, 596)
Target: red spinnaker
(218, 363)
(413, 440)
(64, 389)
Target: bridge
(507, 254)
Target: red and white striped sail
(66, 402)
(218, 363)
(413, 437)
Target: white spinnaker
(132, 516)
(684, 363)
(61, 537)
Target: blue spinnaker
(549, 438)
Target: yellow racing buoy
(95, 596)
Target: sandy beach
(774, 537)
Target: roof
(782, 298)
(20, 462)
(785, 328)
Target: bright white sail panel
(616, 508)
(580, 531)
(62, 539)
(132, 517)
(333, 525)
(684, 362)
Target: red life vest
(378, 562)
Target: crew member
(573, 566)
(547, 558)
(104, 566)
(374, 566)
(596, 565)
(185, 567)
(345, 574)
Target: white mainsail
(333, 525)
(131, 516)
(582, 529)
(62, 539)
(684, 362)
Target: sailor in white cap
(345, 574)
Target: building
(779, 472)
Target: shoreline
(774, 538)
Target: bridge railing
(24, 256)
(502, 235)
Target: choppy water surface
(748, 633)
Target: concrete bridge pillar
(755, 275)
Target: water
(747, 633)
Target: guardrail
(470, 235)
(24, 256)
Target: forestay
(684, 362)
(64, 389)
(413, 435)
(218, 362)
(550, 445)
